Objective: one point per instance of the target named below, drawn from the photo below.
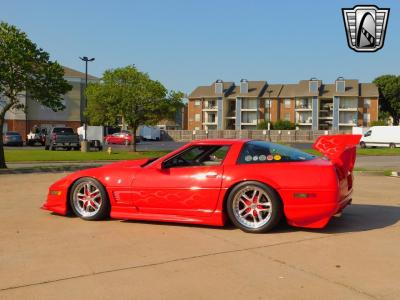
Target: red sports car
(121, 138)
(253, 183)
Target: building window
(367, 103)
(197, 128)
(287, 116)
(197, 102)
(287, 103)
(366, 118)
(197, 117)
(340, 86)
(249, 104)
(313, 86)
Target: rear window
(63, 130)
(264, 152)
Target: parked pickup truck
(62, 137)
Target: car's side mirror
(165, 165)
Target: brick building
(310, 104)
(36, 114)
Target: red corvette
(253, 183)
(121, 138)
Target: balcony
(344, 108)
(210, 108)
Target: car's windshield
(264, 152)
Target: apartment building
(36, 114)
(310, 104)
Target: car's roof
(219, 141)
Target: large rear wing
(340, 149)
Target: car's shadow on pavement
(356, 218)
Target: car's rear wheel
(392, 145)
(89, 200)
(363, 145)
(254, 207)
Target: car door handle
(211, 175)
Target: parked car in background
(36, 136)
(120, 138)
(62, 137)
(12, 138)
(381, 136)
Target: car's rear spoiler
(340, 149)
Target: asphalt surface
(142, 146)
(46, 256)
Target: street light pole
(86, 60)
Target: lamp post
(84, 145)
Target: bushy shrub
(379, 123)
(262, 125)
(283, 125)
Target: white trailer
(94, 134)
(149, 133)
(381, 136)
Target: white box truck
(381, 136)
(149, 133)
(94, 134)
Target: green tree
(389, 95)
(130, 94)
(25, 68)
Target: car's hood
(127, 163)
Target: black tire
(46, 147)
(273, 216)
(52, 147)
(363, 145)
(392, 145)
(104, 209)
(76, 148)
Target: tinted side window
(368, 133)
(263, 152)
(208, 155)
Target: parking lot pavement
(356, 257)
(142, 146)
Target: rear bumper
(314, 212)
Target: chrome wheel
(87, 199)
(252, 207)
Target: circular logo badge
(277, 157)
(270, 157)
(248, 158)
(262, 158)
(255, 158)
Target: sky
(187, 43)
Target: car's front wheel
(254, 207)
(89, 200)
